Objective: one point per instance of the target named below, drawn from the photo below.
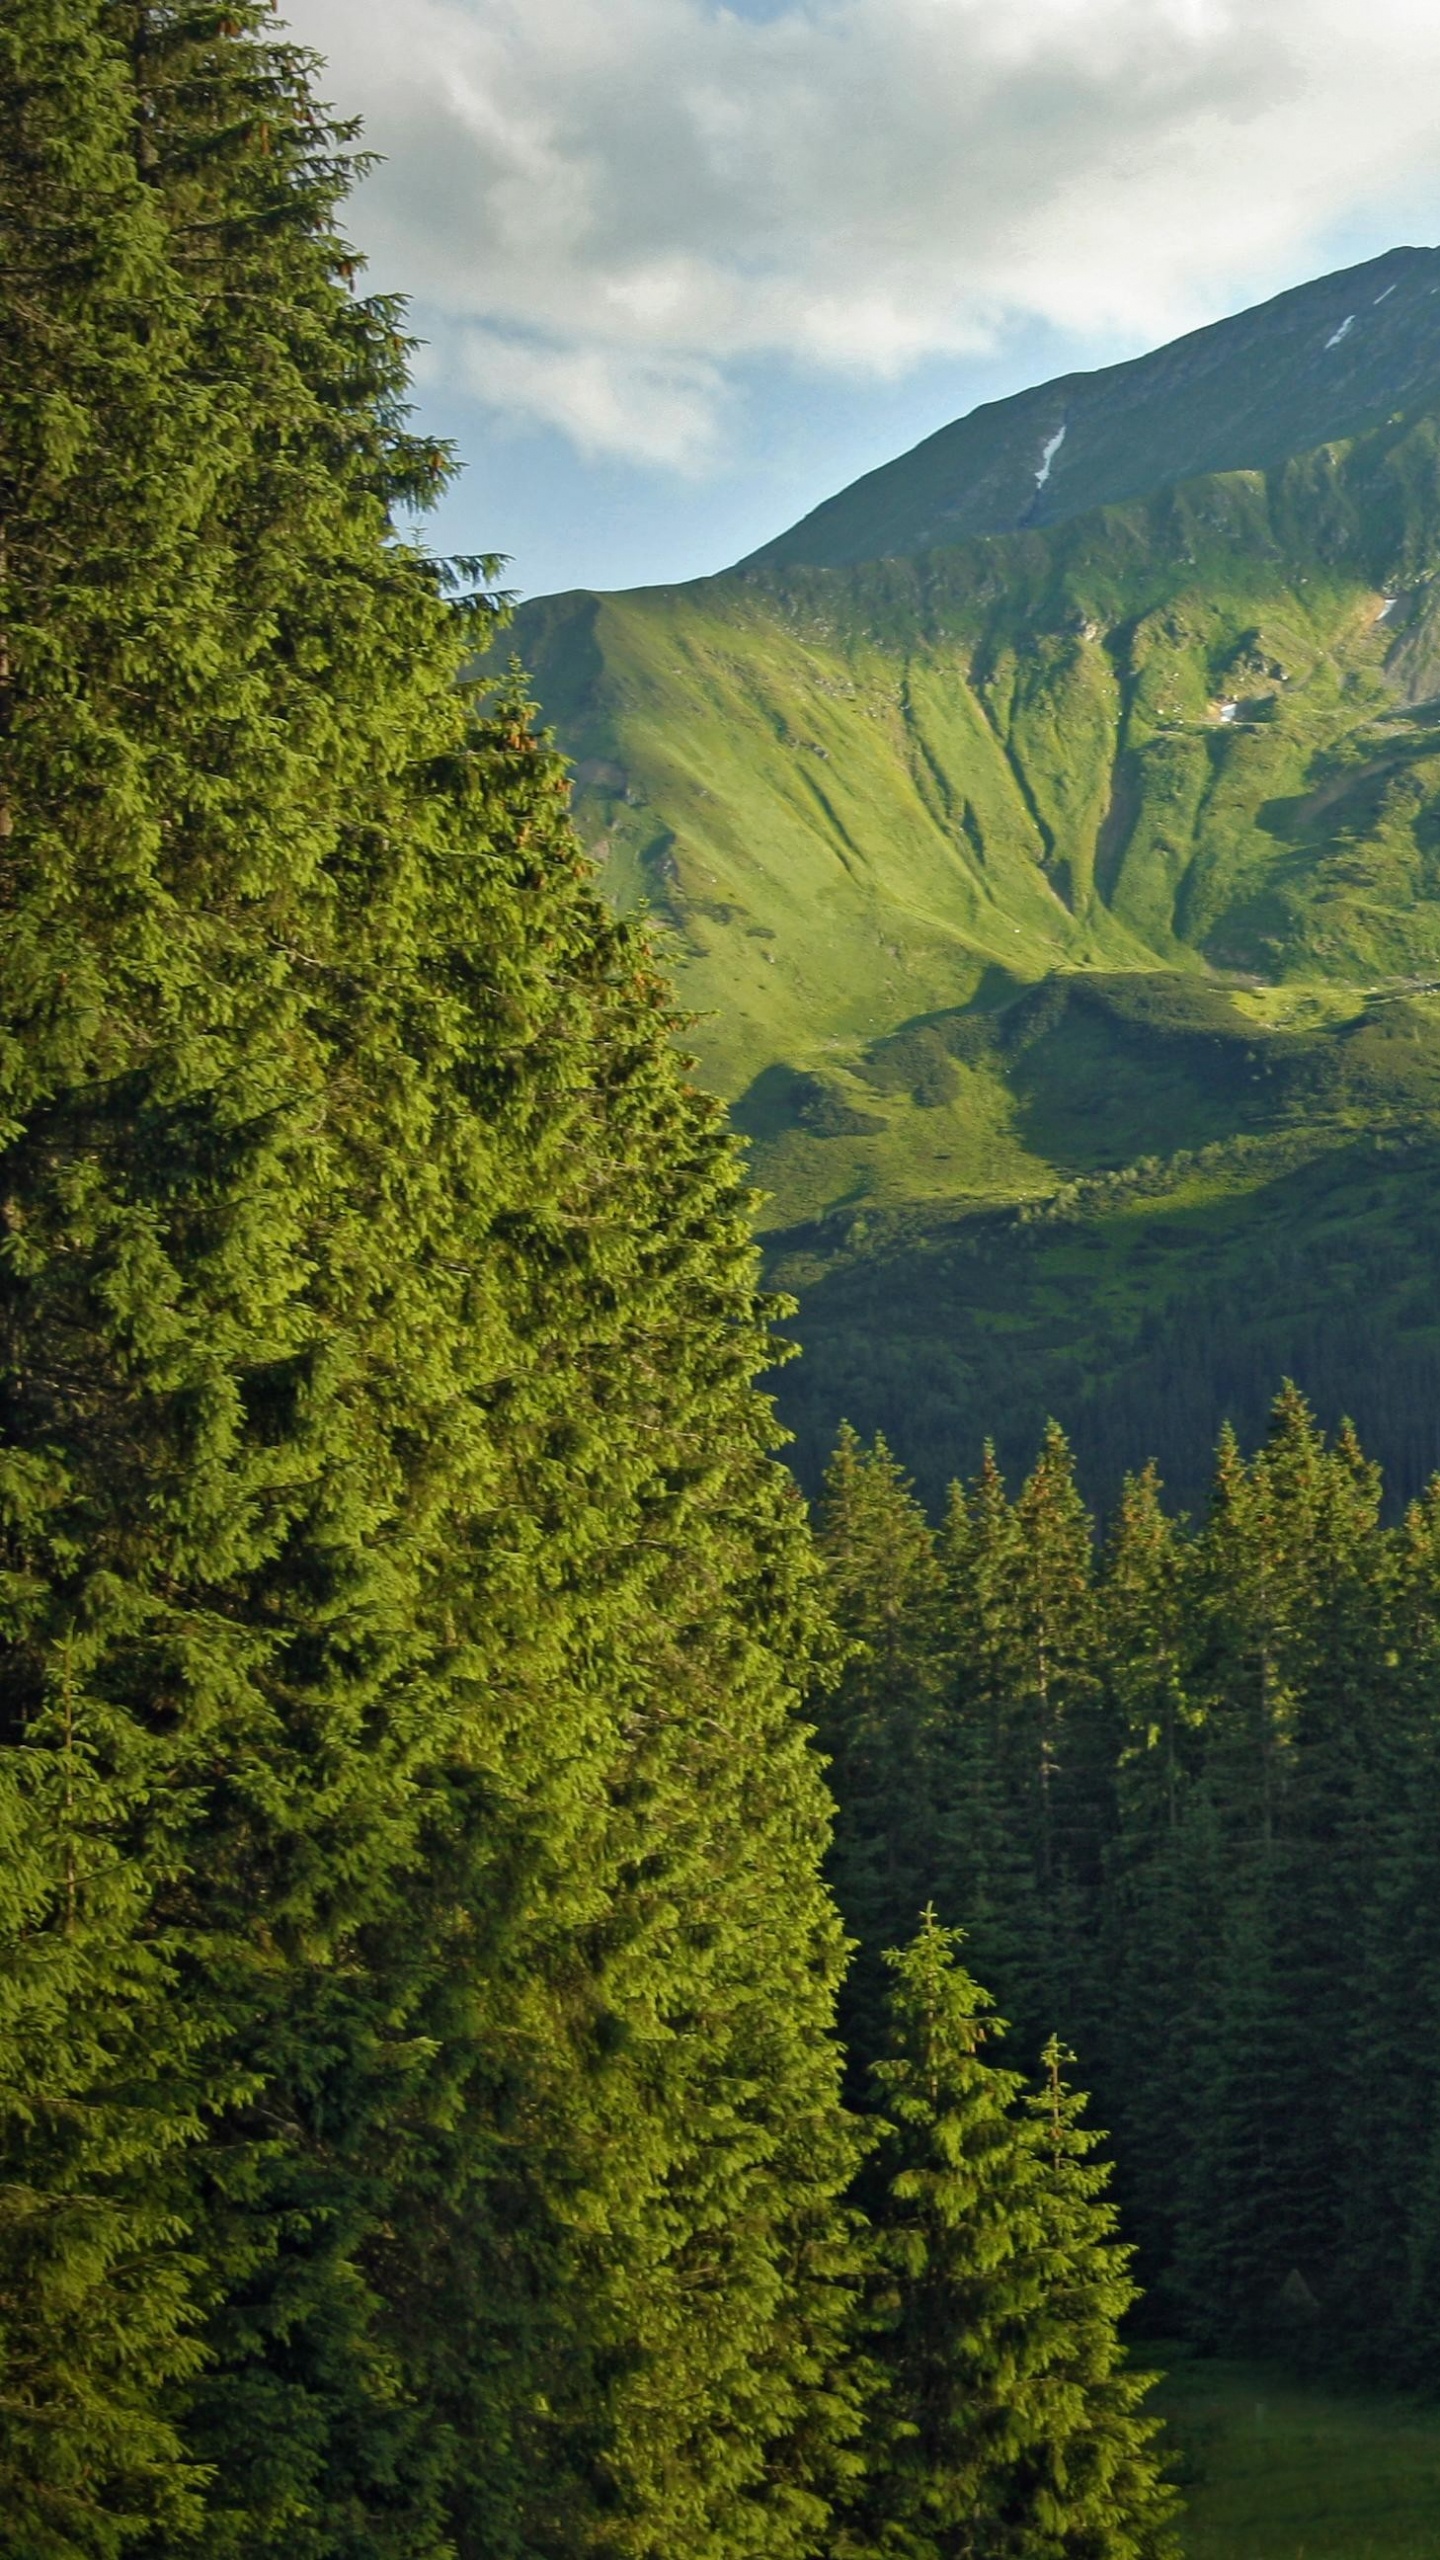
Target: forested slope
(1182, 1789)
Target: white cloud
(607, 400)
(601, 205)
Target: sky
(682, 268)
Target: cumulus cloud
(604, 207)
(665, 410)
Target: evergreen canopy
(419, 2120)
(1180, 1789)
(1014, 2431)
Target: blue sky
(684, 267)
(572, 519)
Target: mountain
(1324, 361)
(1061, 909)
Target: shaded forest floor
(1275, 2470)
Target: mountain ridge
(851, 793)
(1312, 364)
(1072, 878)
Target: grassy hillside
(1062, 913)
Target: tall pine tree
(404, 1610)
(1023, 1775)
(877, 1722)
(1009, 2425)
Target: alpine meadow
(657, 1901)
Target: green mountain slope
(1326, 360)
(1045, 896)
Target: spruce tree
(102, 2071)
(1158, 1900)
(984, 1786)
(1383, 2284)
(1028, 1787)
(1141, 1612)
(1290, 1603)
(405, 1610)
(1057, 1684)
(876, 1722)
(1247, 1864)
(1009, 2425)
(1096, 2485)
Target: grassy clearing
(1275, 2471)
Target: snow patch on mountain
(1342, 332)
(1047, 456)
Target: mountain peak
(1322, 361)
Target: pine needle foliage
(1233, 1915)
(877, 1720)
(403, 1610)
(1013, 2427)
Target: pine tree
(1026, 1789)
(1281, 1576)
(1249, 2233)
(1247, 1862)
(876, 1725)
(1383, 2286)
(1057, 1678)
(1009, 2426)
(1290, 1591)
(100, 2069)
(1158, 1900)
(1142, 1613)
(985, 1866)
(1098, 2484)
(405, 1611)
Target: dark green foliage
(1021, 1625)
(1285, 1649)
(1009, 2424)
(1141, 1308)
(878, 1723)
(419, 2123)
(1223, 1889)
(969, 1733)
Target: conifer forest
(558, 2002)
